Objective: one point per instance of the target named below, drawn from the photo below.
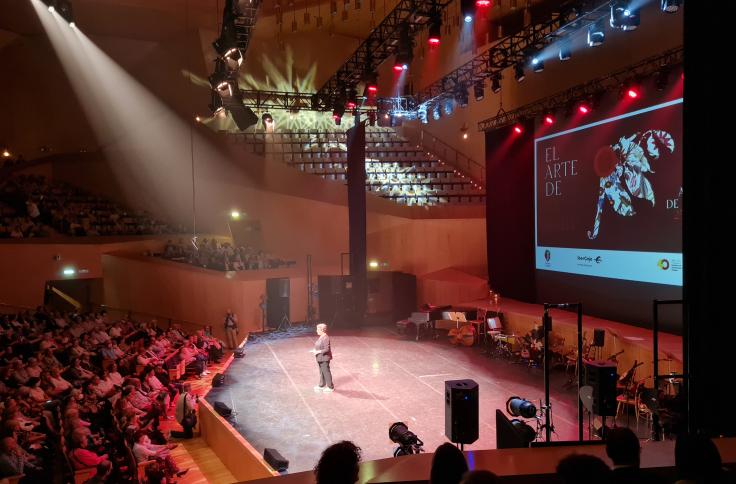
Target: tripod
(284, 324)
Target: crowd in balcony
(34, 206)
(222, 255)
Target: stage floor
(380, 378)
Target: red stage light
(633, 93)
(398, 67)
(482, 3)
(434, 41)
(351, 105)
(373, 89)
(518, 129)
(583, 109)
(549, 119)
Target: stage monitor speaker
(277, 303)
(601, 375)
(599, 337)
(461, 411)
(275, 459)
(223, 409)
(218, 380)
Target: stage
(380, 378)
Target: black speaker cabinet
(461, 411)
(277, 304)
(336, 304)
(601, 375)
(223, 409)
(599, 337)
(392, 295)
(218, 380)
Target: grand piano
(423, 320)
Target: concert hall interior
(375, 241)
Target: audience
(32, 206)
(583, 469)
(338, 464)
(622, 447)
(222, 256)
(448, 465)
(479, 477)
(697, 460)
(92, 387)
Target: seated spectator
(622, 447)
(479, 477)
(102, 475)
(697, 460)
(145, 450)
(82, 458)
(14, 461)
(583, 469)
(448, 465)
(338, 464)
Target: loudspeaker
(601, 375)
(275, 459)
(218, 380)
(461, 411)
(223, 409)
(239, 353)
(599, 337)
(277, 293)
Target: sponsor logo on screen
(663, 264)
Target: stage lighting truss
(514, 49)
(381, 43)
(589, 90)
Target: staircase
(395, 169)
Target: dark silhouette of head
(479, 477)
(622, 446)
(583, 469)
(697, 458)
(338, 464)
(448, 465)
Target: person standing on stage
(323, 353)
(231, 329)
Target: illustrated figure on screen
(622, 168)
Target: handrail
(446, 153)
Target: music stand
(284, 324)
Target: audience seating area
(32, 206)
(222, 256)
(395, 169)
(81, 394)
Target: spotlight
(449, 106)
(596, 34)
(537, 64)
(662, 78)
(436, 112)
(583, 108)
(408, 442)
(216, 106)
(235, 215)
(52, 9)
(63, 8)
(467, 9)
(518, 129)
(435, 30)
(462, 96)
(233, 59)
(72, 25)
(519, 72)
(670, 6)
(565, 52)
(632, 93)
(549, 120)
(337, 111)
(519, 407)
(404, 50)
(267, 119)
(526, 433)
(479, 90)
(371, 82)
(623, 15)
(482, 3)
(69, 271)
(496, 85)
(6, 153)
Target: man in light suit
(323, 354)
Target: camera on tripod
(520, 407)
(408, 441)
